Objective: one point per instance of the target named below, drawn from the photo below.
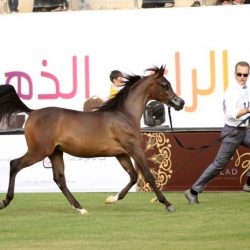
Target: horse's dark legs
(139, 159)
(128, 166)
(15, 166)
(58, 172)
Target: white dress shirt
(237, 97)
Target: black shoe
(192, 199)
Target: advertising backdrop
(61, 59)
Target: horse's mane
(116, 101)
(130, 80)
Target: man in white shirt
(236, 108)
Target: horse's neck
(136, 101)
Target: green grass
(46, 221)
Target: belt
(245, 127)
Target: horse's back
(59, 120)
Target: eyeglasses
(241, 74)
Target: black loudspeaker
(153, 3)
(154, 114)
(48, 5)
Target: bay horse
(111, 130)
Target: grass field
(46, 221)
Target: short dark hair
(243, 64)
(114, 74)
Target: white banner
(88, 175)
(60, 59)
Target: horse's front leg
(139, 158)
(126, 163)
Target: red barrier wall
(176, 169)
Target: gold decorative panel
(158, 148)
(176, 169)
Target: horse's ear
(162, 70)
(157, 72)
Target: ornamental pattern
(158, 149)
(242, 161)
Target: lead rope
(203, 146)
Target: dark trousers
(13, 5)
(236, 137)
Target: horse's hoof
(171, 208)
(111, 199)
(154, 200)
(2, 205)
(82, 211)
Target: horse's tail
(10, 103)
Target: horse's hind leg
(15, 166)
(58, 172)
(128, 166)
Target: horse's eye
(165, 85)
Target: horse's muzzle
(177, 103)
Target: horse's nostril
(178, 101)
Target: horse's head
(162, 90)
